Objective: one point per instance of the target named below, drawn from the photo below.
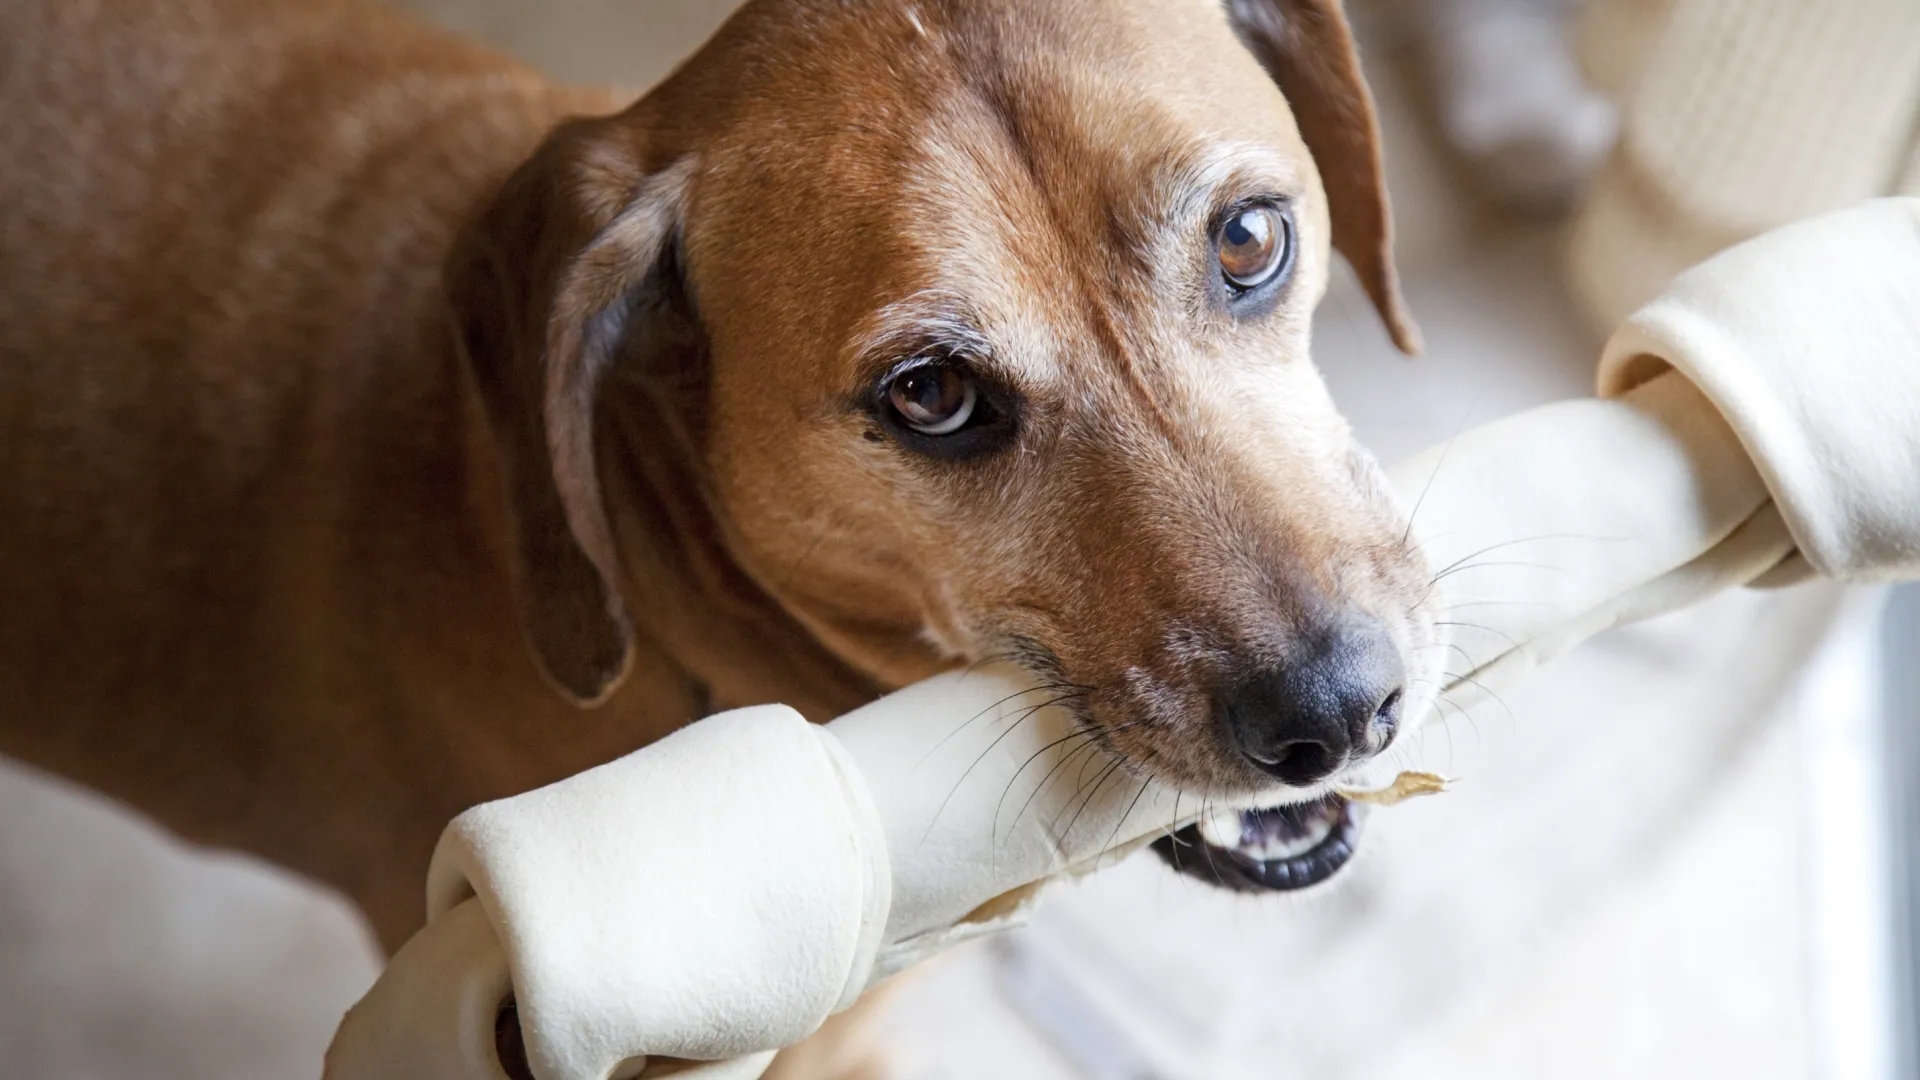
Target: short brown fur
(385, 429)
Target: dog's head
(985, 323)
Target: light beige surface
(617, 42)
(1738, 117)
(126, 954)
(123, 954)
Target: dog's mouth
(1276, 850)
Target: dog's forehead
(1102, 87)
(1113, 79)
(1086, 124)
(1017, 157)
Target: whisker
(1099, 782)
(1172, 831)
(997, 839)
(1451, 608)
(1437, 578)
(1091, 744)
(1524, 540)
(1024, 716)
(1128, 812)
(1088, 732)
(1440, 701)
(1488, 690)
(1435, 474)
(1508, 638)
(1043, 688)
(1448, 645)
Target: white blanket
(719, 893)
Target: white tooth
(1317, 831)
(1222, 830)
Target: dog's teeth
(1289, 847)
(1222, 830)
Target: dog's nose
(1336, 697)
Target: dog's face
(1001, 312)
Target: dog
(385, 429)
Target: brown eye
(933, 399)
(1253, 246)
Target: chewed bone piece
(1408, 785)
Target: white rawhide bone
(719, 893)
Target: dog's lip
(1271, 852)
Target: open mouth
(1276, 850)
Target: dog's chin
(1273, 850)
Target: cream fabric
(717, 894)
(1738, 116)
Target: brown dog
(338, 367)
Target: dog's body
(254, 557)
(331, 378)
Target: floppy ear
(1307, 46)
(552, 283)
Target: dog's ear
(553, 282)
(1307, 46)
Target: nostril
(1386, 722)
(1388, 712)
(1303, 762)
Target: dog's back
(235, 470)
(201, 182)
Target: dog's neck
(690, 598)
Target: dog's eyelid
(1232, 203)
(933, 326)
(1232, 168)
(976, 361)
(886, 359)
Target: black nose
(1334, 698)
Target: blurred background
(1683, 851)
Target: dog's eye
(1253, 246)
(933, 399)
